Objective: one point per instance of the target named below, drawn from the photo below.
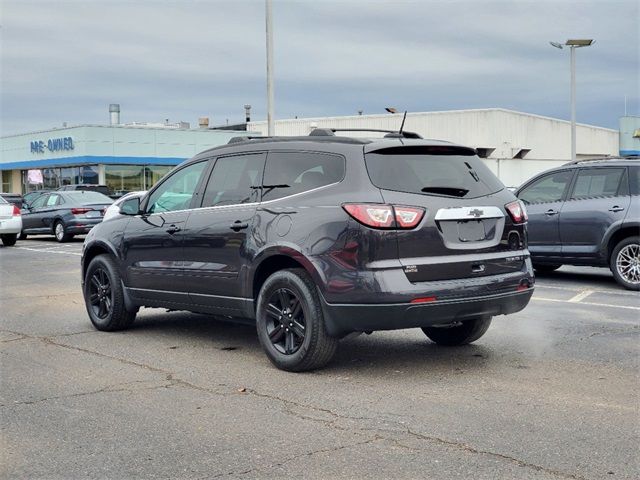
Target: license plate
(94, 214)
(471, 231)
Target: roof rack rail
(246, 139)
(328, 132)
(598, 159)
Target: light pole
(268, 18)
(573, 44)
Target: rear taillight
(517, 211)
(80, 211)
(385, 216)
(16, 212)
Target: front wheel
(290, 322)
(103, 296)
(462, 334)
(625, 263)
(9, 240)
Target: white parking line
(544, 299)
(48, 251)
(581, 296)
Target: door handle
(238, 225)
(551, 212)
(173, 229)
(616, 208)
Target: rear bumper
(9, 226)
(82, 225)
(342, 319)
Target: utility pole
(270, 115)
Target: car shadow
(587, 276)
(379, 353)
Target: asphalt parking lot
(552, 392)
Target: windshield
(87, 196)
(459, 176)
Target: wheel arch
(275, 259)
(614, 237)
(92, 251)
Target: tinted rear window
(87, 196)
(459, 176)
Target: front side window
(597, 182)
(549, 188)
(288, 173)
(177, 191)
(234, 180)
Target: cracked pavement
(549, 393)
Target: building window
(124, 178)
(89, 174)
(153, 173)
(7, 176)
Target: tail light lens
(517, 211)
(80, 211)
(16, 212)
(385, 216)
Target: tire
(9, 239)
(469, 331)
(625, 263)
(546, 267)
(60, 232)
(303, 344)
(103, 296)
(23, 236)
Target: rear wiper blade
(450, 191)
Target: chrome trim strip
(469, 213)
(189, 293)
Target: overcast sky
(65, 61)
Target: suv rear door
(599, 198)
(462, 230)
(544, 198)
(216, 234)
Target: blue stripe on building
(91, 160)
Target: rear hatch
(466, 230)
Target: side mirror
(130, 206)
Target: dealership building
(124, 157)
(515, 145)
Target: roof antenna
(402, 125)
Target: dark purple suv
(317, 237)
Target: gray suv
(313, 238)
(586, 213)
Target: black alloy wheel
(100, 294)
(286, 325)
(290, 322)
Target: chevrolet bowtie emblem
(476, 212)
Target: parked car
(13, 198)
(10, 222)
(29, 197)
(64, 214)
(586, 213)
(317, 237)
(114, 209)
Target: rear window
(461, 176)
(87, 196)
(2, 200)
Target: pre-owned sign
(53, 145)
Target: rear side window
(431, 174)
(550, 188)
(234, 180)
(597, 182)
(288, 173)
